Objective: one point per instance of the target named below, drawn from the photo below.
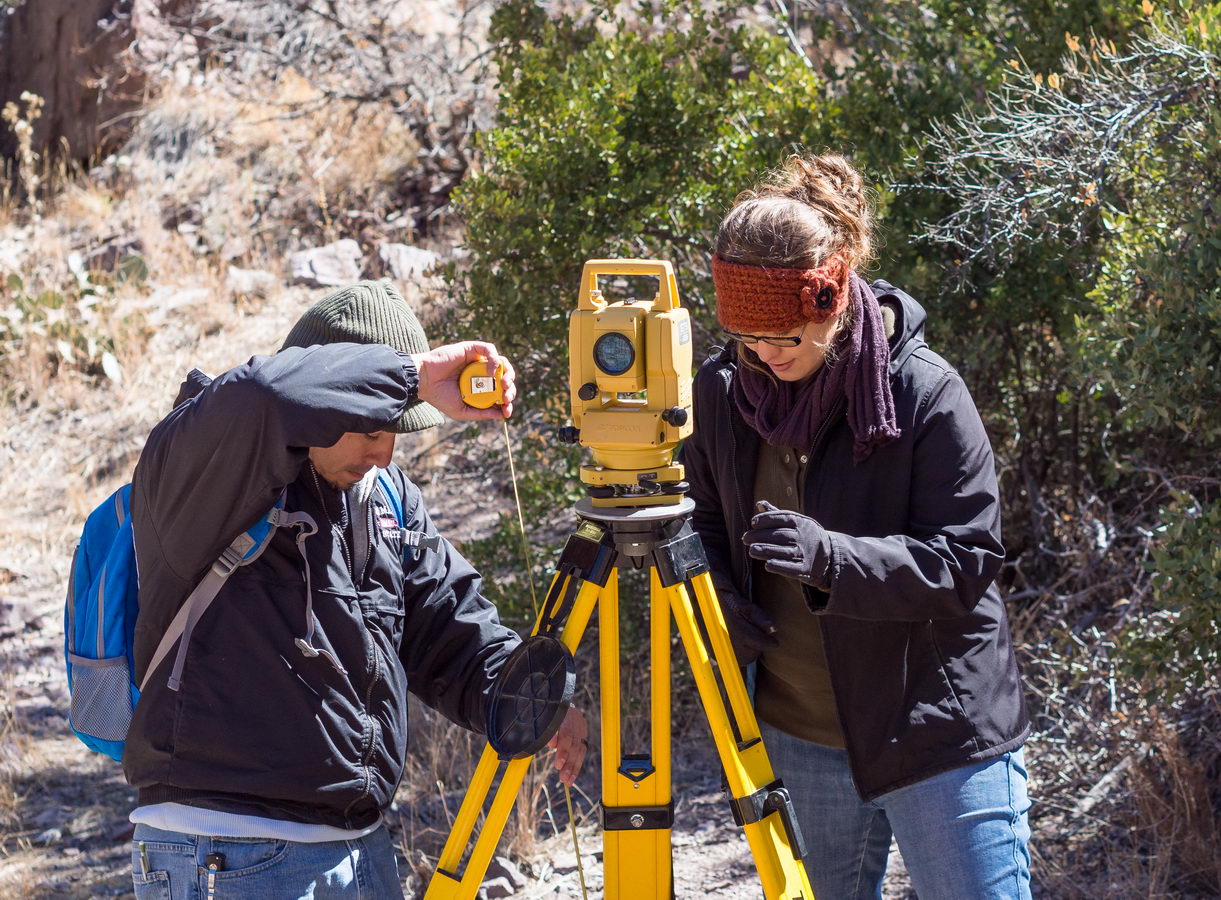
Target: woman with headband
(846, 495)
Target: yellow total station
(630, 379)
(630, 384)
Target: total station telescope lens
(614, 353)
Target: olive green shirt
(792, 685)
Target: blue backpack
(103, 601)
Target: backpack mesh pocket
(101, 697)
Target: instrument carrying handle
(661, 269)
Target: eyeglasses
(751, 339)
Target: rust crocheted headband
(762, 300)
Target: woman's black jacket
(917, 640)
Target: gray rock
(48, 817)
(335, 264)
(250, 282)
(405, 263)
(50, 836)
(165, 303)
(496, 888)
(106, 258)
(503, 867)
(234, 248)
(566, 862)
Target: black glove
(790, 544)
(750, 630)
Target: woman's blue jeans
(962, 833)
(171, 866)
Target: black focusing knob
(587, 391)
(569, 434)
(676, 416)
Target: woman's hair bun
(837, 215)
(815, 178)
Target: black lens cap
(531, 697)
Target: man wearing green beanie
(266, 748)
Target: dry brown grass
(268, 167)
(49, 782)
(1125, 811)
(343, 148)
(88, 205)
(12, 749)
(1175, 816)
(210, 178)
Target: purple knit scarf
(788, 415)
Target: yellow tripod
(637, 808)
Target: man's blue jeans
(171, 867)
(962, 833)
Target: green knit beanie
(368, 312)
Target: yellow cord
(525, 546)
(576, 847)
(521, 522)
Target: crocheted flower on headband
(763, 300)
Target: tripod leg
(452, 879)
(760, 806)
(637, 809)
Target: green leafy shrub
(1175, 645)
(616, 136)
(1117, 160)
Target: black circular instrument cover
(531, 697)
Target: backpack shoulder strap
(183, 623)
(243, 550)
(390, 492)
(411, 539)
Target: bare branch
(1047, 154)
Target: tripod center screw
(637, 820)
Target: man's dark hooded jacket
(917, 640)
(257, 727)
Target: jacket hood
(193, 385)
(910, 317)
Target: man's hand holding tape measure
(470, 381)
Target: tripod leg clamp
(680, 558)
(767, 800)
(638, 818)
